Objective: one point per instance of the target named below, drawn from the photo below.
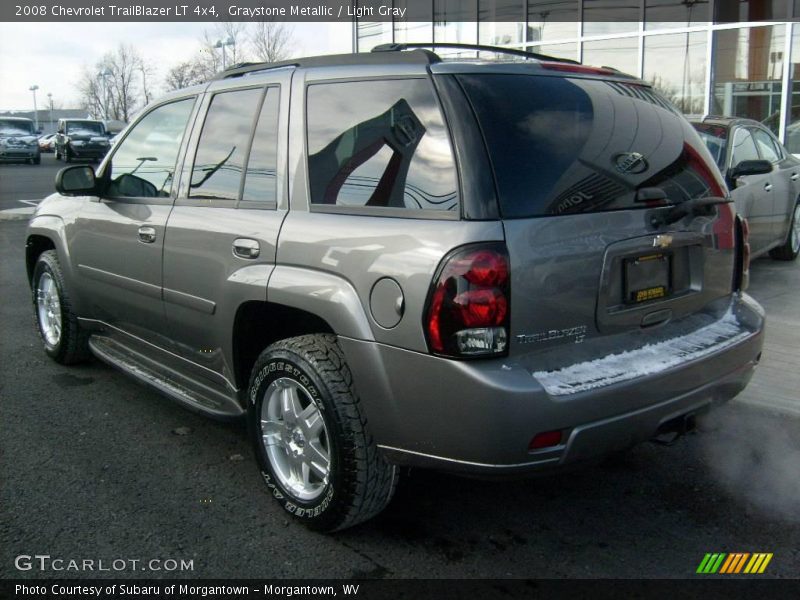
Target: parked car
(47, 143)
(80, 139)
(18, 141)
(764, 178)
(387, 259)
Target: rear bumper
(478, 417)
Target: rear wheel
(64, 340)
(791, 248)
(58, 154)
(310, 437)
(67, 154)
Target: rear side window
(222, 149)
(260, 181)
(567, 145)
(379, 144)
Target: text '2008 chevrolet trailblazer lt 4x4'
(389, 259)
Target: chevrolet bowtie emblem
(662, 241)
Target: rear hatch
(601, 186)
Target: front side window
(379, 144)
(766, 146)
(222, 149)
(743, 147)
(143, 165)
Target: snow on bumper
(647, 360)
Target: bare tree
(117, 85)
(184, 74)
(271, 41)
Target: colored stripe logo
(734, 563)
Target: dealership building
(723, 57)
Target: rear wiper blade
(698, 206)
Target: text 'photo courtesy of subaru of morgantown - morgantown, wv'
(490, 267)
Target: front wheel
(310, 437)
(791, 248)
(64, 340)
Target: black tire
(360, 481)
(73, 343)
(67, 155)
(37, 160)
(58, 154)
(787, 252)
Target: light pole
(50, 101)
(33, 88)
(105, 74)
(220, 44)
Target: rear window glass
(379, 144)
(563, 146)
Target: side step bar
(199, 398)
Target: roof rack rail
(416, 57)
(397, 47)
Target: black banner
(679, 11)
(412, 589)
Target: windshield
(715, 137)
(14, 127)
(572, 145)
(85, 128)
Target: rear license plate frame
(646, 278)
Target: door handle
(147, 235)
(795, 176)
(246, 248)
(767, 187)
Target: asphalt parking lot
(94, 466)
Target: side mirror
(750, 167)
(79, 180)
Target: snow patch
(647, 360)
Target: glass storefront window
(750, 10)
(670, 14)
(552, 20)
(454, 22)
(568, 50)
(748, 67)
(792, 138)
(602, 17)
(676, 64)
(417, 26)
(621, 53)
(501, 22)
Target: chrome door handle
(147, 235)
(795, 176)
(246, 248)
(767, 187)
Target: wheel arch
(258, 324)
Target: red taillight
(468, 308)
(546, 439)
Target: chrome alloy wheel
(48, 307)
(295, 439)
(795, 233)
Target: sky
(52, 55)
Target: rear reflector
(546, 439)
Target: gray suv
(388, 259)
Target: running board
(199, 398)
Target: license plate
(647, 278)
